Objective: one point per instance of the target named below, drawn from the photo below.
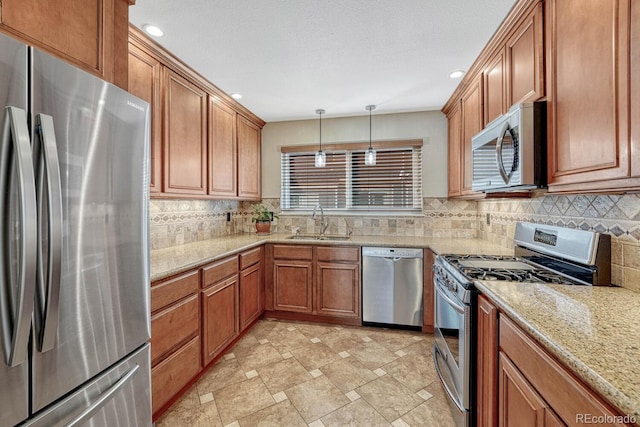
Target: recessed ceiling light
(153, 30)
(456, 74)
(236, 96)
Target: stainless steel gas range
(543, 254)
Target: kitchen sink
(319, 237)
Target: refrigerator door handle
(104, 398)
(17, 310)
(49, 192)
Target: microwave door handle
(506, 176)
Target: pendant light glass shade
(321, 157)
(370, 154)
(370, 157)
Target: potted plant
(262, 217)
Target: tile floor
(300, 374)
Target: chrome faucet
(323, 225)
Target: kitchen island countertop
(593, 330)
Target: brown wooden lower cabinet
(174, 325)
(338, 289)
(196, 316)
(487, 364)
(520, 404)
(317, 282)
(250, 284)
(173, 373)
(219, 317)
(531, 386)
(428, 321)
(175, 335)
(293, 285)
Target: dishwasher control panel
(392, 252)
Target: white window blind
(394, 183)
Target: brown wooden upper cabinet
(508, 71)
(515, 73)
(234, 154)
(472, 115)
(223, 150)
(88, 33)
(204, 144)
(590, 96)
(185, 131)
(464, 121)
(454, 137)
(249, 160)
(524, 49)
(144, 82)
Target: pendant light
(370, 154)
(321, 157)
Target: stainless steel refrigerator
(74, 269)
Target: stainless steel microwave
(510, 153)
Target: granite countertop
(177, 259)
(592, 330)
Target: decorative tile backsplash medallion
(617, 215)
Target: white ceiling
(290, 57)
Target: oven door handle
(443, 293)
(452, 396)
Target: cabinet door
(338, 289)
(185, 132)
(472, 123)
(249, 160)
(220, 317)
(144, 82)
(80, 31)
(292, 285)
(520, 404)
(588, 98)
(250, 294)
(487, 390)
(428, 322)
(525, 56)
(495, 96)
(454, 173)
(223, 153)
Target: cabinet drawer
(170, 376)
(166, 293)
(327, 253)
(249, 258)
(557, 386)
(293, 252)
(219, 270)
(173, 326)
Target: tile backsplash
(175, 222)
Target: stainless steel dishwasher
(392, 287)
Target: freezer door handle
(17, 290)
(49, 194)
(104, 398)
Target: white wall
(430, 126)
